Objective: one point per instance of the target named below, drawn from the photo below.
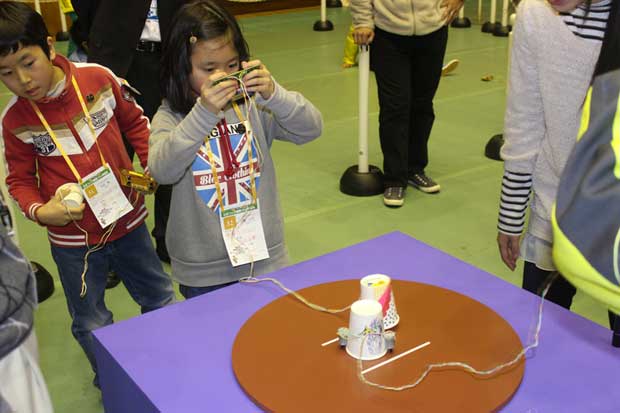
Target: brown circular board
(278, 359)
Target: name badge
(242, 229)
(105, 196)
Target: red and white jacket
(36, 167)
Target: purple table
(178, 359)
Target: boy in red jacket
(64, 126)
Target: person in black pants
(406, 54)
(126, 37)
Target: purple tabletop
(178, 358)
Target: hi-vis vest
(586, 217)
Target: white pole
(479, 11)
(323, 10)
(493, 11)
(63, 19)
(512, 22)
(364, 70)
(37, 6)
(505, 13)
(462, 12)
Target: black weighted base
(501, 31)
(355, 183)
(461, 23)
(493, 146)
(333, 3)
(62, 36)
(323, 26)
(489, 27)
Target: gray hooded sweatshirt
(178, 156)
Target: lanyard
(225, 143)
(55, 139)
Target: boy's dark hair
(609, 57)
(199, 20)
(21, 26)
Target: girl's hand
(508, 249)
(363, 35)
(55, 213)
(258, 80)
(215, 97)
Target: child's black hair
(198, 20)
(21, 26)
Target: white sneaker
(450, 66)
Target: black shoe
(112, 280)
(394, 196)
(424, 183)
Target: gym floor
(461, 220)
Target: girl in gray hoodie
(211, 141)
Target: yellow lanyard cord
(216, 180)
(55, 138)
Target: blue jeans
(191, 292)
(133, 258)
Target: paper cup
(366, 320)
(73, 197)
(379, 287)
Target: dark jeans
(535, 280)
(191, 292)
(407, 70)
(143, 74)
(132, 257)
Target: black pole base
(489, 27)
(362, 184)
(501, 31)
(45, 282)
(461, 23)
(493, 146)
(62, 36)
(323, 26)
(333, 3)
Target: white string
(464, 366)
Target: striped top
(517, 187)
(589, 25)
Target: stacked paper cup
(379, 287)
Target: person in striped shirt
(557, 47)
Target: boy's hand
(215, 97)
(258, 80)
(451, 9)
(55, 213)
(508, 249)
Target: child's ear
(50, 43)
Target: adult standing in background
(409, 40)
(126, 36)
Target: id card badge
(242, 229)
(105, 196)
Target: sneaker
(424, 183)
(450, 66)
(394, 196)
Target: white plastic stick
(462, 12)
(376, 366)
(493, 11)
(329, 342)
(323, 10)
(37, 6)
(479, 11)
(364, 70)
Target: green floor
(461, 220)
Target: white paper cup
(379, 287)
(366, 320)
(73, 197)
